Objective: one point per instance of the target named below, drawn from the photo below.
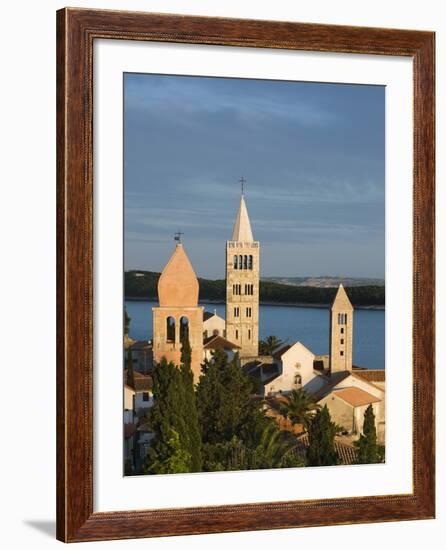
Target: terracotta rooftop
(332, 381)
(218, 342)
(347, 453)
(143, 382)
(371, 375)
(178, 284)
(356, 397)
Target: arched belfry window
(240, 262)
(250, 262)
(170, 329)
(245, 262)
(235, 262)
(297, 380)
(184, 328)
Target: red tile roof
(355, 396)
(218, 342)
(370, 375)
(347, 453)
(143, 382)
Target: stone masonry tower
(178, 314)
(242, 285)
(341, 333)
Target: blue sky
(312, 155)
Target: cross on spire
(177, 236)
(242, 181)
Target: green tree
(321, 432)
(190, 407)
(130, 381)
(176, 460)
(267, 346)
(223, 401)
(300, 407)
(227, 415)
(167, 413)
(368, 451)
(275, 449)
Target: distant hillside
(326, 282)
(142, 285)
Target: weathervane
(177, 236)
(242, 182)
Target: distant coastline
(142, 286)
(262, 303)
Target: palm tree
(299, 407)
(275, 449)
(267, 346)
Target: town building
(341, 333)
(331, 379)
(216, 342)
(242, 285)
(213, 325)
(178, 315)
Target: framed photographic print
(245, 275)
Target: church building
(178, 314)
(242, 286)
(341, 333)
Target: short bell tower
(341, 333)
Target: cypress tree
(167, 414)
(223, 399)
(176, 461)
(130, 371)
(190, 407)
(321, 432)
(227, 416)
(368, 450)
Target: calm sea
(308, 325)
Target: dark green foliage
(321, 450)
(236, 433)
(130, 381)
(275, 449)
(300, 407)
(226, 456)
(368, 451)
(167, 414)
(144, 286)
(190, 408)
(267, 346)
(176, 460)
(223, 399)
(174, 419)
(128, 467)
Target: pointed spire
(242, 228)
(341, 300)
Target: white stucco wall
(214, 323)
(297, 361)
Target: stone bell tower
(341, 333)
(178, 313)
(242, 285)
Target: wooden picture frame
(76, 31)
